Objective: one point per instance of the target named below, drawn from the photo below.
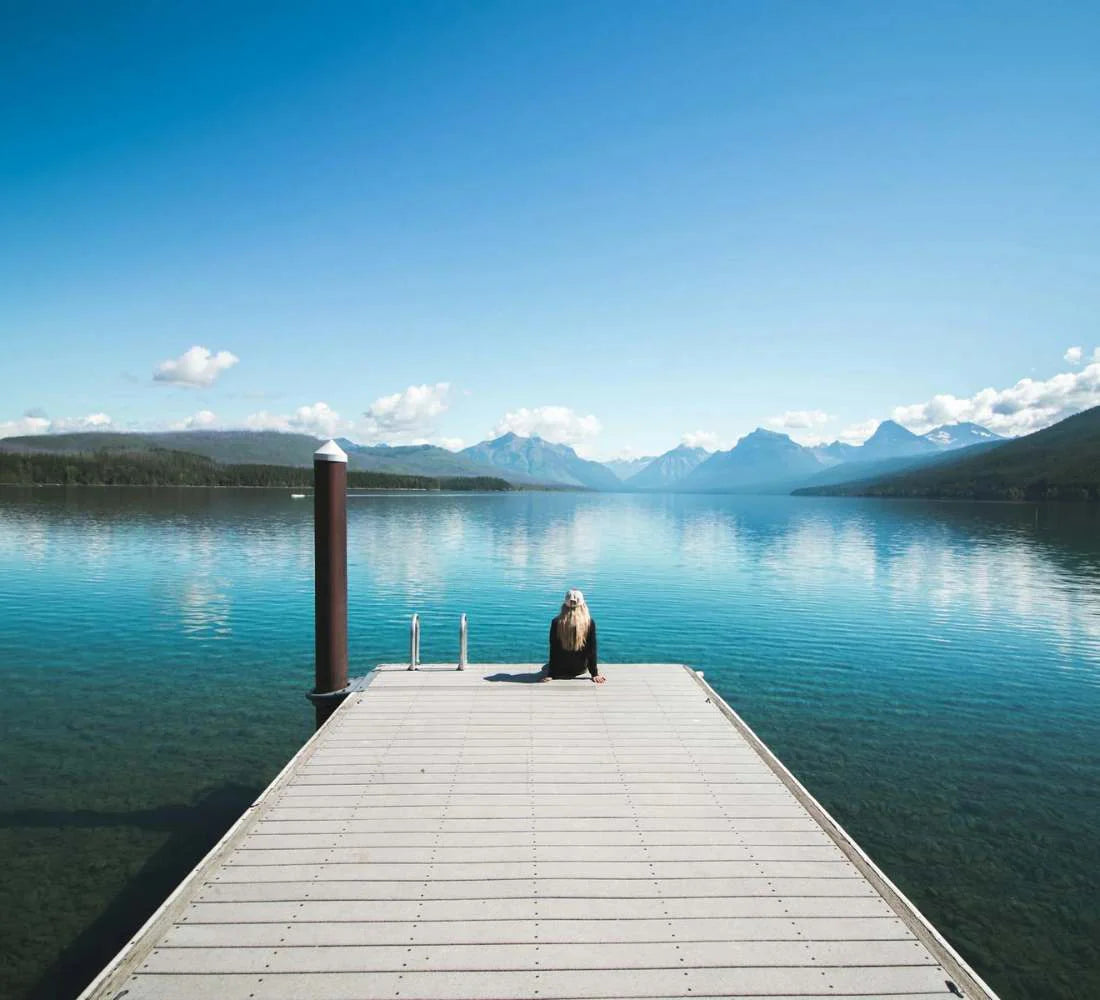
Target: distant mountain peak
(891, 430)
(763, 433)
(668, 469)
(626, 468)
(537, 460)
(890, 440)
(960, 435)
(761, 460)
(764, 438)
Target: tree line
(167, 467)
(986, 490)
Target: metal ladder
(414, 643)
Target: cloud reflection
(205, 611)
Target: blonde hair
(574, 622)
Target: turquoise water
(930, 671)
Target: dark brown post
(330, 534)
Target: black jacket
(569, 663)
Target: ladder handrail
(414, 642)
(462, 643)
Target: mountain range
(624, 468)
(534, 460)
(769, 462)
(761, 462)
(1061, 462)
(668, 469)
(416, 459)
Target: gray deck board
(333, 834)
(577, 888)
(289, 849)
(287, 903)
(565, 825)
(583, 984)
(596, 953)
(404, 933)
(448, 836)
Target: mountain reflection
(213, 559)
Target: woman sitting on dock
(573, 642)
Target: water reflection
(874, 641)
(205, 610)
(965, 568)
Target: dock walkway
(473, 835)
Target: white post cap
(330, 452)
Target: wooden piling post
(330, 535)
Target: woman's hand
(598, 678)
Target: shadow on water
(194, 830)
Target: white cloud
(36, 422)
(451, 444)
(793, 420)
(858, 433)
(1027, 406)
(406, 416)
(700, 439)
(197, 366)
(551, 423)
(92, 422)
(24, 425)
(627, 454)
(1073, 355)
(197, 421)
(318, 419)
(264, 421)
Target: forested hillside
(165, 467)
(267, 447)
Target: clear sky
(612, 223)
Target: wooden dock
(477, 835)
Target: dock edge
(972, 985)
(144, 940)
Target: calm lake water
(930, 671)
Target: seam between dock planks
(965, 977)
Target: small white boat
(297, 496)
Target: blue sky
(612, 223)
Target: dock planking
(472, 834)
